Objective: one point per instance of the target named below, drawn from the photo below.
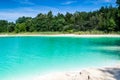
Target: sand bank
(60, 35)
(106, 73)
(103, 73)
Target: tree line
(105, 19)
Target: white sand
(103, 73)
(106, 73)
(62, 35)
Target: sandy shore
(61, 35)
(106, 73)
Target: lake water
(26, 56)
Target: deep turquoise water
(25, 56)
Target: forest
(105, 19)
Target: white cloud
(69, 2)
(96, 2)
(13, 14)
(107, 0)
(28, 2)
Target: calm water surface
(25, 56)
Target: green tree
(29, 25)
(20, 27)
(112, 25)
(58, 22)
(3, 25)
(11, 27)
(22, 19)
(68, 17)
(118, 15)
(118, 3)
(49, 21)
(106, 19)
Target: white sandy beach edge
(106, 73)
(103, 73)
(61, 35)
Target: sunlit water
(26, 56)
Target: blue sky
(12, 9)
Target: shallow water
(25, 56)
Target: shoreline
(101, 73)
(60, 35)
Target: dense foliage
(105, 19)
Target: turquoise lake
(25, 56)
